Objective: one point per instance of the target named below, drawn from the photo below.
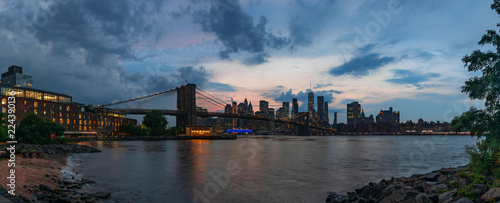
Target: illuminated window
(60, 108)
(54, 120)
(61, 121)
(74, 121)
(35, 111)
(4, 101)
(68, 121)
(85, 128)
(35, 104)
(90, 128)
(4, 110)
(67, 108)
(44, 104)
(24, 102)
(79, 127)
(80, 122)
(44, 112)
(80, 116)
(85, 122)
(60, 114)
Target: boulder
(446, 196)
(464, 200)
(436, 187)
(431, 176)
(422, 198)
(462, 182)
(492, 195)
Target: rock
(435, 188)
(395, 196)
(480, 189)
(492, 195)
(464, 200)
(462, 182)
(387, 191)
(446, 196)
(102, 195)
(422, 198)
(431, 176)
(442, 178)
(412, 193)
(63, 200)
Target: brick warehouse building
(59, 108)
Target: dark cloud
(308, 22)
(279, 95)
(77, 47)
(361, 66)
(236, 30)
(410, 77)
(220, 87)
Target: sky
(390, 53)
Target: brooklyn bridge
(186, 112)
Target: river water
(259, 168)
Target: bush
(35, 130)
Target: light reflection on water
(286, 169)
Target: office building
(295, 108)
(15, 77)
(264, 107)
(321, 110)
(353, 113)
(310, 104)
(389, 116)
(286, 110)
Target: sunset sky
(401, 54)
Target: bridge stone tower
(303, 130)
(186, 105)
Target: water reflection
(273, 168)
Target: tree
(4, 136)
(155, 122)
(35, 130)
(484, 122)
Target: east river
(259, 168)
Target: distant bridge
(186, 113)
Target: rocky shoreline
(39, 177)
(444, 185)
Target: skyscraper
(286, 110)
(295, 108)
(263, 107)
(250, 108)
(327, 119)
(353, 113)
(310, 104)
(321, 109)
(335, 118)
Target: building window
(85, 128)
(85, 122)
(35, 104)
(67, 108)
(61, 121)
(44, 104)
(60, 107)
(54, 120)
(90, 127)
(80, 116)
(44, 112)
(4, 110)
(24, 102)
(74, 121)
(80, 122)
(4, 101)
(24, 110)
(68, 121)
(35, 111)
(60, 114)
(79, 127)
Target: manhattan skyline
(405, 55)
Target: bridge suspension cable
(138, 98)
(205, 92)
(210, 100)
